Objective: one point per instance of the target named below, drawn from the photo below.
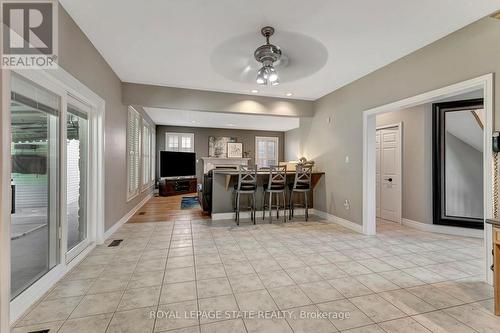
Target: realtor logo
(29, 32)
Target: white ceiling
(221, 120)
(188, 43)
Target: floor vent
(142, 213)
(41, 331)
(115, 242)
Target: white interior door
(389, 174)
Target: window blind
(146, 155)
(134, 152)
(153, 155)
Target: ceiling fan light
(273, 77)
(262, 76)
(261, 80)
(275, 83)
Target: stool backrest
(277, 176)
(247, 176)
(303, 175)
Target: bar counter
(223, 186)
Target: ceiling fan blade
(302, 56)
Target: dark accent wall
(201, 134)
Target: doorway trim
(64, 84)
(484, 82)
(5, 201)
(399, 126)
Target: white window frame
(153, 156)
(63, 84)
(180, 137)
(275, 139)
(134, 156)
(88, 111)
(5, 197)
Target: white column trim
(5, 202)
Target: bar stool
(247, 184)
(276, 185)
(301, 184)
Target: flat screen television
(177, 164)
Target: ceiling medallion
(267, 55)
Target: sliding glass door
(35, 179)
(77, 174)
(50, 208)
(57, 180)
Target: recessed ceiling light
(194, 121)
(254, 91)
(288, 94)
(231, 125)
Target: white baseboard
(443, 229)
(338, 220)
(258, 213)
(298, 212)
(127, 216)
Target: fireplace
(210, 163)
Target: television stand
(169, 187)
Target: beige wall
(78, 56)
(465, 54)
(416, 159)
(201, 100)
(295, 140)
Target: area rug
(189, 203)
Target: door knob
(389, 180)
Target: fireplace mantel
(210, 163)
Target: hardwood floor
(167, 209)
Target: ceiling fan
(300, 57)
(267, 55)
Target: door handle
(13, 198)
(389, 180)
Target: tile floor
(293, 277)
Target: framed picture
(234, 149)
(217, 146)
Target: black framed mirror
(457, 140)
